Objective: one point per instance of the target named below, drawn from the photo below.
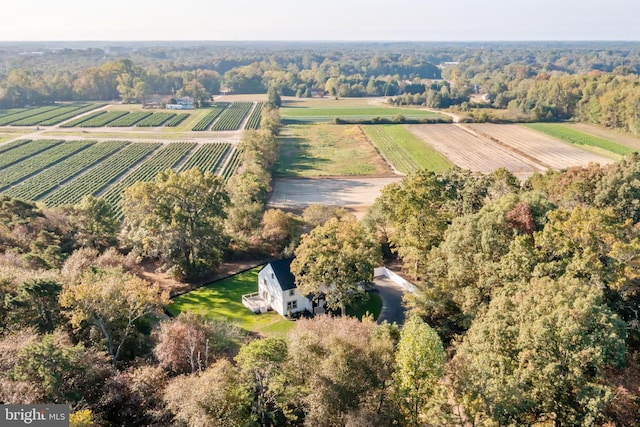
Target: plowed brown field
(551, 152)
(486, 147)
(470, 150)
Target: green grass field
(323, 149)
(576, 137)
(223, 300)
(372, 305)
(355, 109)
(404, 150)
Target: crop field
(24, 114)
(405, 151)
(36, 163)
(253, 122)
(469, 150)
(323, 149)
(233, 162)
(548, 151)
(45, 182)
(100, 176)
(66, 116)
(62, 172)
(175, 121)
(206, 121)
(21, 152)
(486, 147)
(166, 157)
(207, 157)
(573, 136)
(232, 117)
(356, 109)
(155, 120)
(130, 119)
(98, 120)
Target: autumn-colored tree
(336, 259)
(112, 302)
(213, 398)
(190, 343)
(178, 217)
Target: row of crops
(253, 122)
(391, 150)
(34, 164)
(207, 157)
(232, 117)
(206, 121)
(60, 173)
(127, 119)
(50, 179)
(24, 151)
(99, 177)
(167, 157)
(44, 116)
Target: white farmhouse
(277, 291)
(184, 103)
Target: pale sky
(427, 20)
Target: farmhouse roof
(282, 270)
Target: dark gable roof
(282, 270)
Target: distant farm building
(185, 103)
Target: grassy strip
(573, 136)
(404, 150)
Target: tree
(280, 230)
(189, 343)
(273, 97)
(420, 366)
(214, 398)
(36, 303)
(418, 216)
(178, 217)
(114, 303)
(259, 362)
(95, 224)
(340, 371)
(335, 259)
(538, 353)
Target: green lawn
(355, 109)
(322, 149)
(223, 300)
(404, 150)
(573, 136)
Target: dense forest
(595, 82)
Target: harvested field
(348, 192)
(550, 152)
(470, 150)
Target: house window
(292, 305)
(292, 292)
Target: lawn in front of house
(223, 300)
